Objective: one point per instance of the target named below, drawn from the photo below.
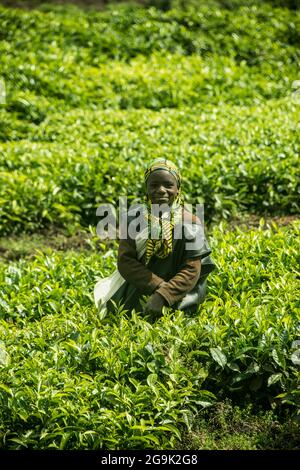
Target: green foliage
(252, 33)
(209, 86)
(254, 293)
(224, 426)
(72, 379)
(76, 382)
(233, 159)
(91, 97)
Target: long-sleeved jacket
(137, 274)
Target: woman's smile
(160, 200)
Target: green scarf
(162, 245)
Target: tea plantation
(87, 98)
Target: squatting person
(167, 261)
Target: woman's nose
(161, 190)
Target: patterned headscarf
(162, 245)
(163, 164)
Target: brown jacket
(135, 272)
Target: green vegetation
(92, 96)
(63, 173)
(145, 382)
(84, 89)
(227, 427)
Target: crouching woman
(166, 262)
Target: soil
(253, 221)
(16, 247)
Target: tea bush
(91, 97)
(233, 159)
(209, 86)
(71, 378)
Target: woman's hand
(155, 304)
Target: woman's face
(162, 187)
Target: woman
(168, 260)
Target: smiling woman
(168, 260)
(162, 187)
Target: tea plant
(90, 97)
(73, 379)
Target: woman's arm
(133, 270)
(182, 283)
(175, 289)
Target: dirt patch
(255, 221)
(27, 245)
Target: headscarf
(163, 164)
(163, 245)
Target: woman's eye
(167, 185)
